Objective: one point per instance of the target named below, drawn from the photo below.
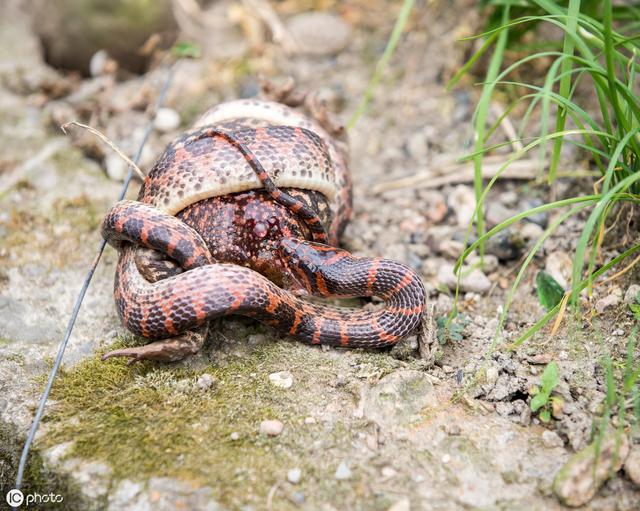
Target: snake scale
(242, 215)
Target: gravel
(281, 379)
(294, 475)
(343, 472)
(271, 427)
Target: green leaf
(186, 50)
(538, 401)
(550, 293)
(635, 308)
(549, 379)
(453, 331)
(545, 415)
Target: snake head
(313, 266)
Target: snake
(242, 215)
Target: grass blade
(381, 66)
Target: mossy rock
(73, 30)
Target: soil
(440, 422)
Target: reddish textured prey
(230, 209)
(184, 301)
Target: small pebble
(452, 429)
(540, 358)
(551, 439)
(255, 339)
(309, 420)
(343, 472)
(298, 497)
(631, 293)
(271, 427)
(632, 465)
(282, 379)
(101, 63)
(235, 436)
(531, 232)
(492, 374)
(474, 281)
(166, 120)
(205, 382)
(446, 459)
(404, 504)
(116, 167)
(497, 213)
(372, 442)
(509, 198)
(319, 33)
(559, 265)
(611, 300)
(294, 475)
(462, 201)
(506, 245)
(388, 472)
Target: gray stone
(115, 166)
(506, 245)
(580, 478)
(462, 201)
(542, 218)
(404, 504)
(474, 281)
(531, 232)
(294, 475)
(396, 400)
(632, 465)
(205, 382)
(608, 301)
(559, 266)
(128, 495)
(271, 427)
(343, 472)
(101, 64)
(167, 119)
(21, 323)
(497, 213)
(505, 387)
(281, 379)
(93, 476)
(631, 293)
(417, 146)
(551, 439)
(167, 494)
(319, 33)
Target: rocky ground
(256, 421)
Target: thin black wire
(83, 290)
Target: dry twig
(106, 140)
(462, 173)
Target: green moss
(79, 212)
(18, 358)
(156, 418)
(4, 341)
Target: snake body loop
(215, 198)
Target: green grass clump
(596, 58)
